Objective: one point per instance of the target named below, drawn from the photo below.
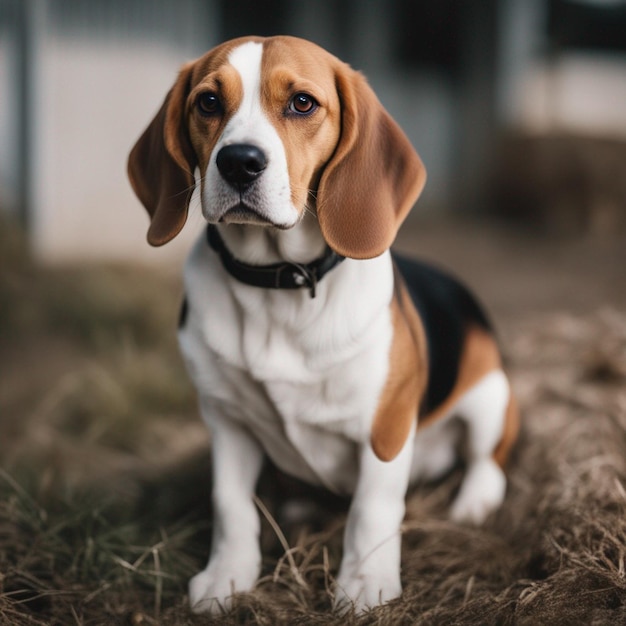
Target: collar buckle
(283, 275)
(305, 277)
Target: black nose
(240, 164)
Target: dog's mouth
(241, 213)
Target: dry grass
(104, 479)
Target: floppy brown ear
(161, 165)
(373, 178)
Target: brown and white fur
(331, 388)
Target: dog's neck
(259, 245)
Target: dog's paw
(212, 589)
(366, 591)
(481, 493)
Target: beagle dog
(307, 339)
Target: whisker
(309, 211)
(195, 216)
(312, 193)
(187, 190)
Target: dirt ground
(104, 478)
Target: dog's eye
(208, 104)
(302, 104)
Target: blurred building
(493, 95)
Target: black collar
(283, 275)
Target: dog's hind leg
(485, 408)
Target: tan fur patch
(406, 382)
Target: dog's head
(277, 126)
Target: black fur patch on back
(446, 308)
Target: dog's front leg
(235, 561)
(370, 569)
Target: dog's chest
(306, 385)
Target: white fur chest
(303, 375)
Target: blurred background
(517, 107)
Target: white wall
(93, 95)
(577, 92)
(582, 93)
(94, 101)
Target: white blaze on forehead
(250, 124)
(246, 59)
